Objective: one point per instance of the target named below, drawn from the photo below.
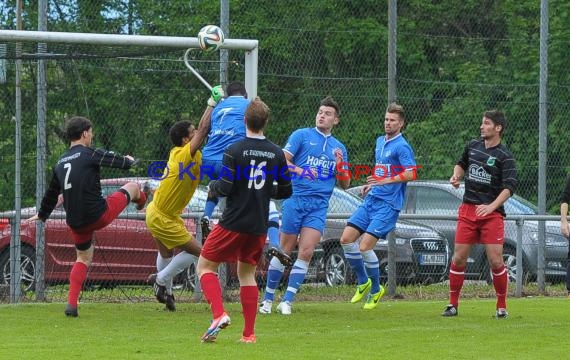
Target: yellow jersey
(176, 190)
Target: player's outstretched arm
(202, 132)
(112, 159)
(49, 201)
(205, 122)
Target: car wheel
(510, 260)
(27, 268)
(186, 280)
(337, 270)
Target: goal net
(133, 88)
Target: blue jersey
(312, 149)
(227, 127)
(393, 157)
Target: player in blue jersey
(313, 156)
(385, 193)
(228, 127)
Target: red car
(125, 251)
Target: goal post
(249, 46)
(32, 46)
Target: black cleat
(205, 225)
(159, 290)
(71, 311)
(450, 310)
(170, 304)
(281, 256)
(502, 313)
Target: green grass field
(537, 328)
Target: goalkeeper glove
(217, 95)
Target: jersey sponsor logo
(230, 132)
(322, 163)
(479, 174)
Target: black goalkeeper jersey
(77, 176)
(487, 172)
(250, 167)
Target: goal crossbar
(250, 46)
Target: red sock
(501, 285)
(456, 277)
(76, 279)
(213, 293)
(142, 199)
(248, 296)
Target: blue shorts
(303, 211)
(211, 169)
(375, 217)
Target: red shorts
(116, 202)
(473, 229)
(229, 246)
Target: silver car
(422, 253)
(439, 197)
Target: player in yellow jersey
(171, 197)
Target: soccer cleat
(71, 311)
(205, 226)
(281, 256)
(284, 308)
(159, 290)
(361, 291)
(217, 324)
(502, 313)
(170, 303)
(450, 310)
(265, 307)
(248, 339)
(374, 299)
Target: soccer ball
(210, 38)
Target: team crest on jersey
(491, 161)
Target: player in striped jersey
(77, 176)
(490, 174)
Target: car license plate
(432, 259)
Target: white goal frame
(250, 46)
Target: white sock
(161, 263)
(180, 262)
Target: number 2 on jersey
(66, 184)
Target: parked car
(126, 252)
(440, 198)
(422, 254)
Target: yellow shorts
(169, 230)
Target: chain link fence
(448, 75)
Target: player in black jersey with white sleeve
(250, 167)
(490, 176)
(77, 176)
